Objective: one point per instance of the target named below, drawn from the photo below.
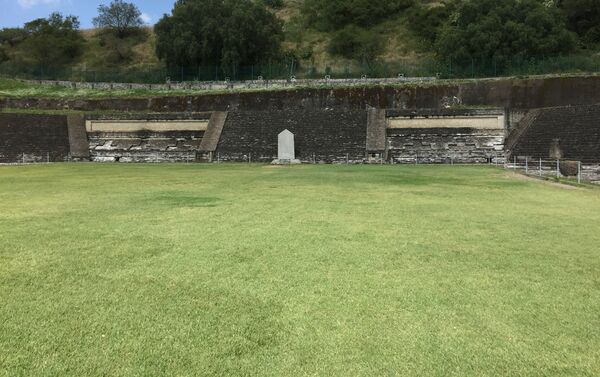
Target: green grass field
(192, 270)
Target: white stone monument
(286, 151)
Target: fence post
(47, 157)
(579, 172)
(557, 168)
(540, 167)
(347, 158)
(526, 165)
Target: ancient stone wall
(502, 93)
(330, 136)
(430, 136)
(445, 146)
(33, 138)
(148, 138)
(571, 133)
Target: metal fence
(425, 67)
(544, 168)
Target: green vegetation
(205, 40)
(584, 18)
(503, 31)
(52, 41)
(328, 15)
(313, 270)
(226, 34)
(120, 17)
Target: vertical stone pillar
(78, 141)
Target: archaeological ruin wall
(463, 122)
(33, 138)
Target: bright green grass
(189, 270)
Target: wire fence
(428, 67)
(569, 170)
(546, 168)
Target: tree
(427, 21)
(583, 17)
(119, 16)
(502, 30)
(53, 41)
(11, 37)
(225, 33)
(328, 15)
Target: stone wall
(445, 146)
(430, 136)
(33, 138)
(571, 133)
(328, 136)
(133, 143)
(502, 93)
(232, 85)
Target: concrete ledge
(477, 122)
(145, 125)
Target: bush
(329, 15)
(353, 42)
(427, 22)
(569, 168)
(503, 31)
(584, 18)
(275, 4)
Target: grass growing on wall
(314, 270)
(16, 89)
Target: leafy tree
(501, 30)
(53, 41)
(275, 4)
(353, 42)
(11, 37)
(584, 18)
(225, 33)
(427, 22)
(119, 16)
(330, 15)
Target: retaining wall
(33, 138)
(329, 136)
(572, 132)
(503, 93)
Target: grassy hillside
(400, 44)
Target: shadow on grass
(182, 199)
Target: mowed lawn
(241, 270)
